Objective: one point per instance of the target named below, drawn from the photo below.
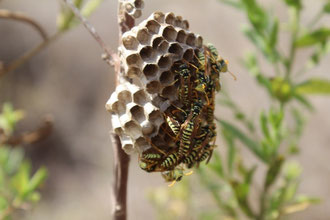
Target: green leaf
(303, 101)
(9, 117)
(231, 152)
(294, 3)
(241, 191)
(264, 124)
(315, 37)
(314, 86)
(273, 171)
(14, 161)
(37, 179)
(216, 165)
(326, 7)
(273, 35)
(292, 171)
(90, 7)
(21, 179)
(251, 145)
(66, 19)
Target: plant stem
(121, 161)
(262, 204)
(295, 31)
(18, 16)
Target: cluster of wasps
(190, 122)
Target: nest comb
(148, 52)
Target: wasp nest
(165, 108)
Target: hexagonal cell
(170, 19)
(176, 49)
(119, 108)
(181, 37)
(150, 70)
(138, 113)
(163, 46)
(129, 7)
(119, 131)
(136, 13)
(133, 129)
(178, 21)
(143, 36)
(130, 42)
(155, 115)
(139, 4)
(146, 53)
(140, 98)
(159, 16)
(166, 77)
(153, 87)
(185, 24)
(188, 54)
(133, 72)
(133, 59)
(142, 144)
(199, 41)
(170, 92)
(125, 96)
(191, 39)
(128, 148)
(156, 41)
(165, 61)
(169, 33)
(153, 26)
(147, 127)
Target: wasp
(207, 154)
(185, 84)
(175, 175)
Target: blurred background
(70, 81)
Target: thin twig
(19, 16)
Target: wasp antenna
(233, 75)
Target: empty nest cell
(166, 77)
(146, 53)
(165, 61)
(143, 36)
(153, 26)
(130, 42)
(169, 33)
(140, 98)
(150, 70)
(153, 87)
(138, 113)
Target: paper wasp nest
(148, 52)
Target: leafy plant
(275, 137)
(18, 186)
